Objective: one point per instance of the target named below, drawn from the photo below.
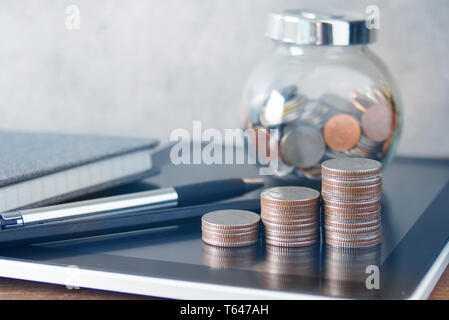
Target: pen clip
(11, 219)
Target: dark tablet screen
(414, 207)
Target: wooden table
(18, 289)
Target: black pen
(181, 196)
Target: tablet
(172, 261)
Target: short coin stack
(230, 228)
(351, 190)
(290, 216)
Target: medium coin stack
(290, 216)
(230, 228)
(351, 190)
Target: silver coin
(230, 244)
(290, 194)
(369, 144)
(230, 219)
(332, 154)
(338, 103)
(302, 146)
(355, 166)
(292, 108)
(279, 104)
(315, 113)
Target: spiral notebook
(44, 168)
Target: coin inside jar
(342, 132)
(302, 146)
(377, 122)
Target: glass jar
(323, 90)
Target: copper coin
(351, 183)
(352, 224)
(291, 222)
(351, 190)
(229, 245)
(311, 225)
(286, 242)
(230, 236)
(290, 218)
(360, 216)
(352, 199)
(281, 214)
(377, 122)
(290, 227)
(307, 237)
(289, 214)
(282, 220)
(351, 207)
(374, 229)
(365, 191)
(341, 132)
(290, 235)
(287, 207)
(291, 244)
(229, 231)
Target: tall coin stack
(230, 228)
(351, 190)
(290, 216)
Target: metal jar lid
(305, 27)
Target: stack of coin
(230, 228)
(351, 190)
(290, 216)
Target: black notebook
(44, 168)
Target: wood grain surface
(11, 289)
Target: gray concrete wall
(143, 67)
